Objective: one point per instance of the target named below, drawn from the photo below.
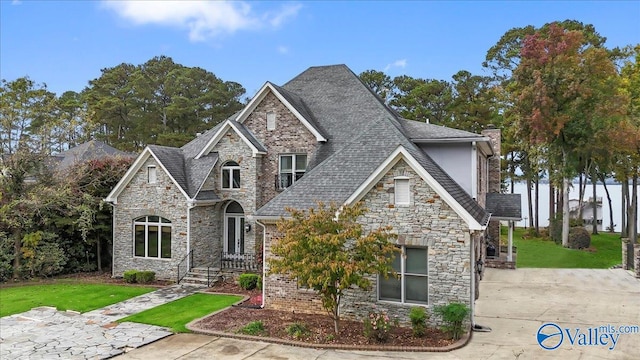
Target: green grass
(78, 297)
(177, 314)
(541, 253)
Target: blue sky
(66, 43)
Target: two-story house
(323, 136)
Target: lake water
(614, 190)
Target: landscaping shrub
(248, 281)
(579, 238)
(130, 276)
(418, 317)
(259, 284)
(253, 328)
(377, 326)
(145, 277)
(298, 330)
(453, 316)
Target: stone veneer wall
(289, 137)
(283, 293)
(428, 221)
(232, 148)
(139, 199)
(205, 235)
(495, 182)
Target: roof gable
(244, 133)
(402, 154)
(292, 102)
(137, 165)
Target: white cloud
(283, 49)
(402, 63)
(203, 19)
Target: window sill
(151, 258)
(426, 305)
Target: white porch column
(510, 247)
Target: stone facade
(290, 136)
(625, 254)
(232, 148)
(426, 222)
(495, 181)
(140, 198)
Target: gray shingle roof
(249, 135)
(504, 206)
(91, 150)
(417, 130)
(362, 133)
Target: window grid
(292, 168)
(152, 237)
(406, 295)
(230, 175)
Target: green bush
(418, 317)
(453, 316)
(130, 276)
(253, 328)
(248, 281)
(145, 277)
(579, 238)
(298, 330)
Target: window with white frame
(152, 176)
(152, 237)
(292, 168)
(271, 121)
(411, 286)
(230, 175)
(402, 191)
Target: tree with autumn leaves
(325, 249)
(566, 93)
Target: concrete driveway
(514, 303)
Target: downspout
(473, 270)
(189, 207)
(113, 235)
(474, 171)
(264, 271)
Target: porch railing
(239, 261)
(184, 266)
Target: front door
(234, 230)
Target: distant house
(90, 150)
(212, 205)
(587, 212)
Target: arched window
(230, 175)
(152, 237)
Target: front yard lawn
(77, 297)
(177, 314)
(605, 252)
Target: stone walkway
(46, 333)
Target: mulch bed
(94, 277)
(321, 328)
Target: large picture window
(292, 168)
(412, 284)
(152, 237)
(231, 175)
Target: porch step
(200, 275)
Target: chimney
(494, 134)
